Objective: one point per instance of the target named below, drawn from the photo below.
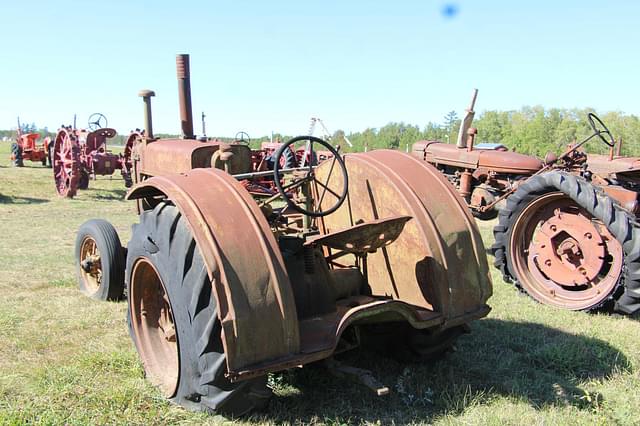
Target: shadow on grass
(10, 199)
(107, 194)
(524, 361)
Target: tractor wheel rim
(64, 164)
(90, 254)
(562, 255)
(153, 325)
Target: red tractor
(78, 154)
(26, 147)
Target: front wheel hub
(569, 249)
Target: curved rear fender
(249, 279)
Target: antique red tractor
(569, 235)
(79, 154)
(224, 288)
(26, 147)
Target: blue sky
(264, 66)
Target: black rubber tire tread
(625, 298)
(111, 256)
(50, 154)
(290, 160)
(163, 238)
(16, 152)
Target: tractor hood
(497, 161)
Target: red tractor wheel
(562, 256)
(127, 164)
(66, 164)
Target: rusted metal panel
(496, 161)
(422, 266)
(176, 156)
(602, 165)
(257, 309)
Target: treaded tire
(625, 298)
(16, 155)
(111, 257)
(50, 153)
(163, 238)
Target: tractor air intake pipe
(184, 94)
(148, 125)
(466, 121)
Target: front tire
(525, 260)
(173, 317)
(16, 155)
(99, 261)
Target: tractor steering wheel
(600, 129)
(240, 137)
(307, 175)
(97, 121)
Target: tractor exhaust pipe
(184, 94)
(465, 125)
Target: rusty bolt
(547, 262)
(554, 228)
(588, 235)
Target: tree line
(530, 130)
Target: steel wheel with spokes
(66, 163)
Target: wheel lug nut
(588, 235)
(547, 262)
(554, 228)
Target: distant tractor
(79, 154)
(224, 288)
(26, 147)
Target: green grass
(65, 358)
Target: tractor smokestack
(184, 94)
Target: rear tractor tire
(567, 244)
(100, 261)
(174, 320)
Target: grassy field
(65, 358)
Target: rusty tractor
(79, 154)
(567, 229)
(569, 237)
(223, 287)
(26, 147)
(481, 173)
